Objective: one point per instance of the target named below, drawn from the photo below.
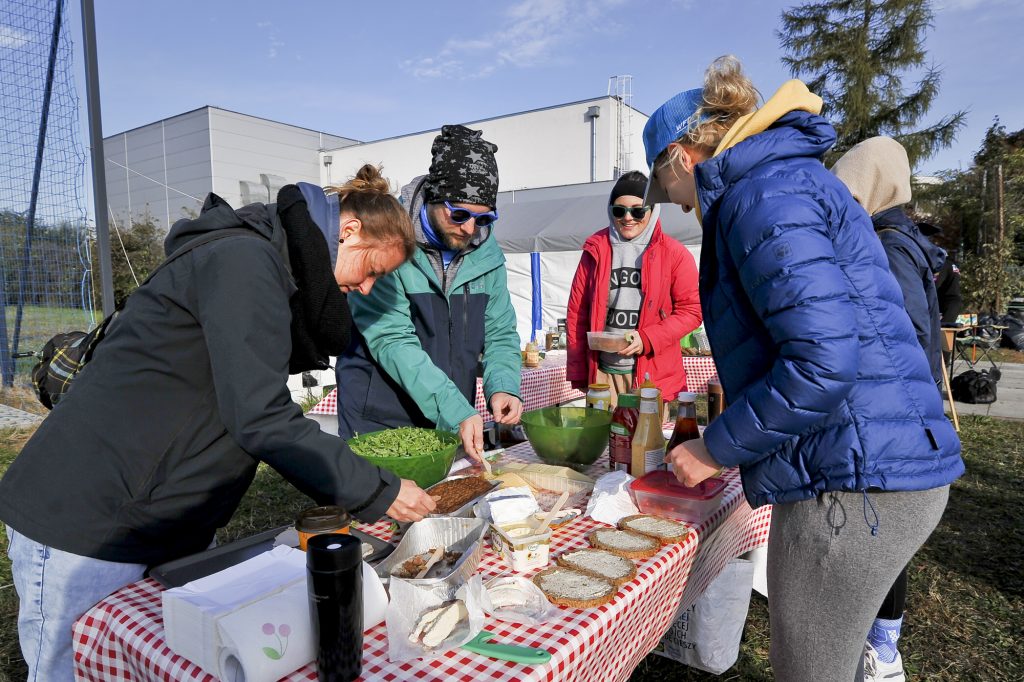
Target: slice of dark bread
(624, 543)
(665, 531)
(601, 563)
(575, 589)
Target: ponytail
(367, 196)
(727, 95)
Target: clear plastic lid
(665, 483)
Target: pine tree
(856, 54)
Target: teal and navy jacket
(422, 334)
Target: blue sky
(369, 70)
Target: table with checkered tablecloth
(122, 637)
(546, 385)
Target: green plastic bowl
(568, 436)
(426, 468)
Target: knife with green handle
(481, 644)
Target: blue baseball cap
(667, 124)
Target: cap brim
(654, 194)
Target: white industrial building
(163, 170)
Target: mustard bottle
(648, 440)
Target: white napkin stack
(611, 499)
(251, 622)
(507, 505)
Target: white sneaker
(875, 669)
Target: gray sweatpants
(827, 575)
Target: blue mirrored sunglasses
(462, 215)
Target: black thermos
(335, 567)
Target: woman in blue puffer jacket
(832, 413)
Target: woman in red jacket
(632, 276)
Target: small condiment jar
(716, 399)
(319, 521)
(532, 355)
(599, 397)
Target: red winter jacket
(670, 310)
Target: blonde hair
(367, 196)
(728, 95)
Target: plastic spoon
(481, 644)
(551, 514)
(438, 553)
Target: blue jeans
(55, 589)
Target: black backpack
(974, 387)
(65, 354)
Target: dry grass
(23, 398)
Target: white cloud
(969, 5)
(534, 33)
(11, 38)
(274, 44)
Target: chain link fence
(45, 283)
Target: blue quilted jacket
(827, 386)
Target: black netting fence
(45, 285)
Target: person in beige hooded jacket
(877, 171)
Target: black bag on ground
(65, 354)
(974, 387)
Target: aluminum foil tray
(453, 533)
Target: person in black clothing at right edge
(877, 171)
(947, 281)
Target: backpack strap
(97, 334)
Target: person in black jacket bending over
(160, 435)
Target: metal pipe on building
(591, 115)
(99, 176)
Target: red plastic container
(659, 493)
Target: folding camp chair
(974, 345)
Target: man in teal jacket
(425, 329)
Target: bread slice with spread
(624, 543)
(575, 589)
(600, 563)
(665, 531)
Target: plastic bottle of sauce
(648, 450)
(716, 399)
(650, 384)
(620, 439)
(532, 355)
(686, 422)
(599, 397)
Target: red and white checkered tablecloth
(121, 638)
(699, 369)
(546, 385)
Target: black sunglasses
(462, 215)
(638, 212)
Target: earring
(341, 241)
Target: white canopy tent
(542, 231)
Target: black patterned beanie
(463, 169)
